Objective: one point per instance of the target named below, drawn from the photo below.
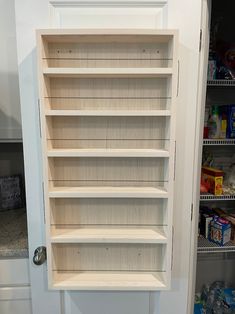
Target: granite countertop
(13, 233)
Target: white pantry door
(183, 15)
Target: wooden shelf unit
(107, 108)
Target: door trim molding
(106, 3)
(201, 99)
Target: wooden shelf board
(108, 280)
(108, 234)
(107, 72)
(103, 113)
(70, 35)
(108, 192)
(107, 153)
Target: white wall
(10, 121)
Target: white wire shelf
(226, 141)
(221, 83)
(211, 197)
(205, 246)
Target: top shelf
(107, 72)
(107, 35)
(221, 83)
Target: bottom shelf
(98, 280)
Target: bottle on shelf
(214, 123)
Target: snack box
(214, 178)
(220, 231)
(206, 216)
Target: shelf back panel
(108, 93)
(102, 171)
(108, 257)
(108, 211)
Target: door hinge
(172, 248)
(39, 118)
(43, 200)
(191, 212)
(200, 40)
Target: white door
(183, 15)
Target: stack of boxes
(217, 225)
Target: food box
(11, 192)
(220, 231)
(214, 180)
(232, 222)
(230, 216)
(206, 216)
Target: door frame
(201, 99)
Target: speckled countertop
(13, 233)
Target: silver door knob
(40, 255)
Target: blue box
(231, 122)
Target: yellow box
(214, 179)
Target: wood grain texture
(108, 55)
(95, 171)
(108, 257)
(114, 211)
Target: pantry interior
(215, 253)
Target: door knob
(40, 255)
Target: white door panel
(107, 302)
(183, 15)
(65, 15)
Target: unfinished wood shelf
(109, 234)
(132, 113)
(107, 72)
(106, 191)
(99, 152)
(107, 107)
(133, 281)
